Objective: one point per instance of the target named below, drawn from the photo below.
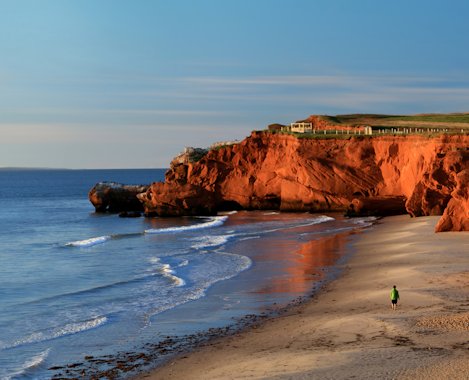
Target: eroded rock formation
(115, 197)
(456, 213)
(276, 171)
(166, 199)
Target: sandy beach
(348, 330)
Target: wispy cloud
(342, 92)
(293, 80)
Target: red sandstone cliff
(275, 171)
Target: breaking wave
(365, 221)
(203, 284)
(310, 222)
(210, 241)
(28, 365)
(167, 272)
(58, 332)
(229, 212)
(183, 263)
(89, 242)
(213, 222)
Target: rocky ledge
(116, 197)
(382, 175)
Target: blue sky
(129, 84)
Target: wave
(154, 260)
(213, 222)
(101, 239)
(199, 291)
(319, 219)
(58, 332)
(167, 272)
(89, 242)
(250, 237)
(28, 365)
(229, 212)
(217, 240)
(149, 273)
(365, 221)
(183, 263)
(210, 241)
(311, 222)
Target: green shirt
(394, 294)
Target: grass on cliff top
(321, 136)
(330, 136)
(452, 120)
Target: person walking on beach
(394, 297)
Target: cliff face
(274, 171)
(456, 214)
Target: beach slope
(349, 330)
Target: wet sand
(349, 330)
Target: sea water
(77, 284)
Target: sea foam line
(365, 221)
(210, 241)
(312, 222)
(213, 222)
(167, 272)
(29, 364)
(200, 290)
(89, 242)
(58, 332)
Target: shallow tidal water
(75, 284)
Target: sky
(129, 84)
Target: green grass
(438, 118)
(355, 119)
(320, 136)
(376, 120)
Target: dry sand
(349, 330)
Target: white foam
(178, 281)
(229, 212)
(213, 222)
(311, 222)
(69, 329)
(168, 272)
(154, 260)
(183, 263)
(210, 241)
(29, 364)
(365, 221)
(320, 219)
(89, 242)
(194, 293)
(250, 237)
(272, 213)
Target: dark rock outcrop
(377, 206)
(115, 197)
(165, 199)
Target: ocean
(80, 289)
